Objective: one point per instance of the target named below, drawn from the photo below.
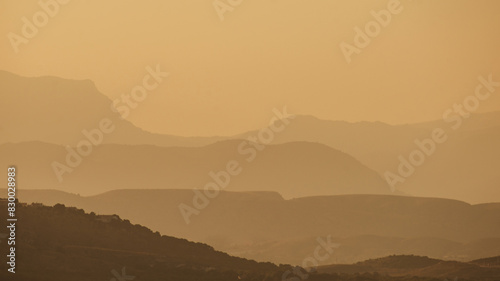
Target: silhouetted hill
(265, 227)
(418, 266)
(489, 262)
(292, 169)
(60, 243)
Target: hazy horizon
(255, 60)
(237, 140)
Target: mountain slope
(464, 167)
(56, 110)
(265, 227)
(418, 266)
(60, 243)
(375, 144)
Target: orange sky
(226, 76)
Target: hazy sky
(226, 76)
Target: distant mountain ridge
(292, 169)
(55, 110)
(464, 167)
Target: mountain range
(65, 243)
(464, 167)
(293, 169)
(265, 227)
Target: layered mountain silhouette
(65, 243)
(316, 179)
(59, 243)
(293, 169)
(463, 168)
(265, 227)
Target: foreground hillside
(60, 243)
(265, 227)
